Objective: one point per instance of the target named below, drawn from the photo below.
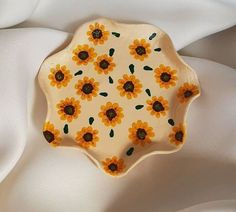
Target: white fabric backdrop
(185, 21)
(13, 11)
(22, 52)
(215, 206)
(63, 179)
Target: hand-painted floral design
(158, 106)
(118, 92)
(87, 137)
(87, 88)
(165, 76)
(59, 76)
(140, 49)
(104, 64)
(111, 114)
(113, 166)
(177, 136)
(187, 91)
(141, 133)
(97, 33)
(83, 54)
(51, 134)
(129, 86)
(68, 109)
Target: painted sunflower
(165, 76)
(87, 88)
(178, 135)
(97, 33)
(104, 64)
(59, 76)
(140, 49)
(111, 114)
(113, 166)
(141, 133)
(51, 134)
(87, 137)
(158, 106)
(83, 54)
(68, 109)
(187, 91)
(129, 86)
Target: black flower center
(88, 137)
(69, 109)
(59, 76)
(140, 50)
(128, 86)
(111, 113)
(141, 133)
(188, 94)
(104, 64)
(83, 55)
(87, 88)
(113, 167)
(179, 136)
(157, 106)
(48, 136)
(165, 77)
(97, 34)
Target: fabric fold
(22, 52)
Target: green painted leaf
(147, 68)
(131, 68)
(116, 34)
(110, 80)
(157, 49)
(171, 122)
(66, 129)
(105, 94)
(111, 51)
(148, 92)
(91, 120)
(111, 133)
(130, 151)
(138, 107)
(153, 35)
(78, 72)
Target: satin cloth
(63, 179)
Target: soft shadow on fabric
(177, 183)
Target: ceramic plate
(119, 93)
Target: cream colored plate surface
(118, 92)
